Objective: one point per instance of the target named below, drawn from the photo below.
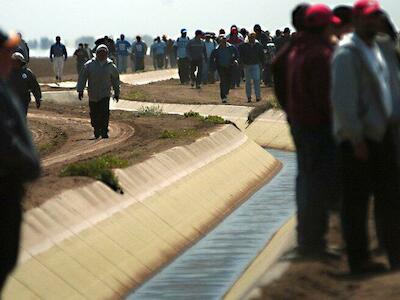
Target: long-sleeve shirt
(223, 57)
(252, 54)
(101, 77)
(180, 46)
(139, 49)
(19, 161)
(309, 81)
(123, 47)
(23, 82)
(196, 50)
(158, 48)
(58, 50)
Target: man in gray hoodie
(102, 75)
(366, 112)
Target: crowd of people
(337, 78)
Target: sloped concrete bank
(93, 243)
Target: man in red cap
(308, 109)
(366, 111)
(19, 162)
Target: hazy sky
(73, 18)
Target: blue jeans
(317, 184)
(252, 73)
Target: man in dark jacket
(82, 56)
(280, 63)
(197, 53)
(222, 59)
(19, 163)
(309, 111)
(252, 57)
(102, 74)
(23, 82)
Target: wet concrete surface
(209, 268)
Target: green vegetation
(272, 103)
(150, 111)
(99, 168)
(179, 133)
(136, 95)
(210, 118)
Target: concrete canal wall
(91, 243)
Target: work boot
(96, 134)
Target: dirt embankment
(63, 135)
(315, 280)
(171, 91)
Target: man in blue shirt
(157, 51)
(139, 50)
(183, 61)
(58, 55)
(122, 46)
(196, 52)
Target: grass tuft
(179, 133)
(210, 119)
(150, 111)
(99, 168)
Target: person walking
(236, 40)
(23, 82)
(139, 50)
(58, 55)
(222, 59)
(19, 163)
(309, 112)
(171, 53)
(88, 50)
(252, 57)
(101, 74)
(157, 51)
(196, 53)
(23, 48)
(122, 47)
(81, 56)
(366, 111)
(181, 55)
(210, 44)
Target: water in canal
(209, 268)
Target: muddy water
(210, 267)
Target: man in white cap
(183, 60)
(23, 82)
(101, 74)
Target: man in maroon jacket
(308, 109)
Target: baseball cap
(9, 41)
(366, 7)
(320, 15)
(18, 56)
(102, 47)
(183, 30)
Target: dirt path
(81, 144)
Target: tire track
(78, 148)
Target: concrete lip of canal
(210, 267)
